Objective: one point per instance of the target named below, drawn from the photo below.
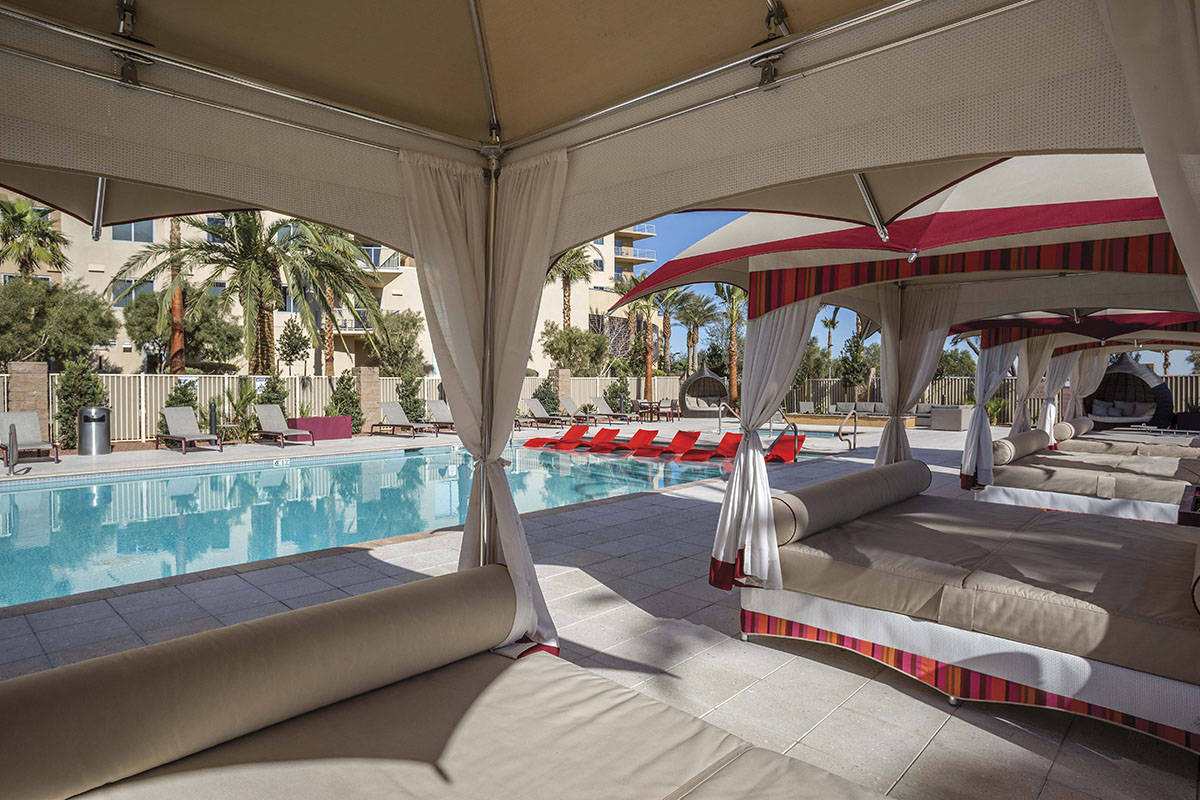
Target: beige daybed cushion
(1082, 425)
(1089, 482)
(814, 508)
(1183, 469)
(1011, 448)
(1063, 431)
(1118, 448)
(1111, 589)
(911, 557)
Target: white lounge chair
(183, 428)
(603, 410)
(394, 417)
(26, 428)
(271, 422)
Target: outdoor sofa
(183, 428)
(1091, 614)
(1135, 487)
(272, 424)
(27, 430)
(391, 694)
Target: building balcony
(634, 232)
(632, 255)
(351, 326)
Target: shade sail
(124, 201)
(1012, 203)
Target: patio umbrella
(1012, 203)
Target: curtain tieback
(504, 462)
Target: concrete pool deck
(628, 590)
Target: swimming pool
(75, 535)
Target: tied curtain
(977, 464)
(447, 203)
(745, 549)
(1056, 378)
(913, 325)
(1031, 365)
(1085, 380)
(1158, 45)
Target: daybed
(1077, 436)
(1134, 487)
(391, 694)
(1089, 614)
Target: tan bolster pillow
(1010, 448)
(71, 729)
(814, 508)
(1063, 431)
(1082, 424)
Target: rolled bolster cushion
(77, 727)
(1063, 431)
(1082, 425)
(814, 508)
(1010, 448)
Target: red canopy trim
(1157, 343)
(994, 337)
(995, 332)
(1152, 254)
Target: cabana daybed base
(963, 683)
(1079, 504)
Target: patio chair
(183, 428)
(272, 423)
(603, 410)
(541, 416)
(681, 442)
(603, 436)
(727, 448)
(394, 417)
(641, 438)
(439, 415)
(573, 410)
(26, 429)
(784, 449)
(573, 435)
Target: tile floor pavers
(626, 581)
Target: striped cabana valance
(1152, 254)
(1151, 343)
(996, 332)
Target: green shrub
(78, 387)
(618, 394)
(545, 392)
(274, 391)
(345, 401)
(182, 394)
(997, 408)
(409, 393)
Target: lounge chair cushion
(77, 727)
(486, 726)
(29, 429)
(1184, 469)
(1082, 425)
(763, 775)
(814, 508)
(910, 557)
(1011, 448)
(1086, 482)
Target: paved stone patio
(628, 590)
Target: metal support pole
(98, 211)
(872, 209)
(489, 324)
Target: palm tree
(830, 323)
(28, 237)
(670, 301)
(574, 265)
(624, 284)
(733, 310)
(177, 349)
(698, 311)
(255, 261)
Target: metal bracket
(777, 20)
(130, 62)
(767, 70)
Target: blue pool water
(75, 535)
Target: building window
(12, 276)
(289, 301)
(598, 241)
(121, 296)
(285, 233)
(215, 222)
(598, 264)
(134, 232)
(217, 288)
(374, 252)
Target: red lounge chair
(603, 436)
(680, 444)
(574, 434)
(726, 449)
(783, 449)
(642, 438)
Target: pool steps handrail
(788, 425)
(852, 441)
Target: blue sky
(677, 232)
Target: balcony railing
(645, 227)
(346, 321)
(634, 252)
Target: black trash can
(95, 438)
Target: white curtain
(990, 370)
(745, 548)
(1057, 372)
(913, 324)
(1085, 379)
(446, 202)
(1031, 365)
(1158, 44)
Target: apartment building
(394, 285)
